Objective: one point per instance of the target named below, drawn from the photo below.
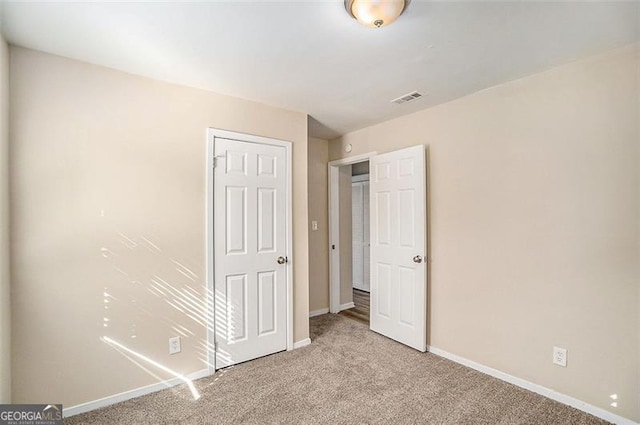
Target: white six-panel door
(250, 239)
(398, 249)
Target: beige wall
(318, 239)
(5, 311)
(346, 236)
(535, 225)
(108, 197)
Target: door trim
(334, 226)
(212, 134)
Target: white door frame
(334, 225)
(212, 133)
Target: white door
(360, 230)
(250, 250)
(398, 249)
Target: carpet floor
(348, 375)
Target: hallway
(361, 310)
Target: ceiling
(310, 56)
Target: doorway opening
(360, 246)
(349, 237)
(397, 246)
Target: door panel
(266, 302)
(398, 246)
(406, 209)
(382, 171)
(406, 294)
(236, 307)
(249, 236)
(383, 218)
(266, 219)
(383, 292)
(236, 219)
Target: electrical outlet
(174, 345)
(314, 225)
(560, 356)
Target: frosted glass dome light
(375, 13)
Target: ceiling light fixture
(376, 13)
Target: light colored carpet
(348, 375)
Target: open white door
(250, 286)
(398, 246)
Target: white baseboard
(346, 306)
(320, 312)
(302, 343)
(539, 389)
(127, 395)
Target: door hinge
(215, 160)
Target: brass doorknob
(417, 259)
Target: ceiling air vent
(407, 97)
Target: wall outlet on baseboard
(174, 345)
(560, 356)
